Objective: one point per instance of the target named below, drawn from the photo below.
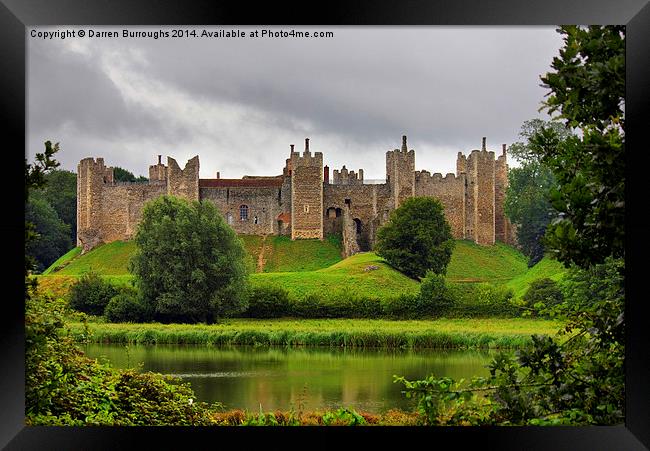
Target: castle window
(306, 208)
(347, 202)
(243, 212)
(255, 220)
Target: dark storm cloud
(242, 101)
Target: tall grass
(444, 333)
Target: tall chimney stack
(291, 147)
(306, 144)
(503, 147)
(326, 174)
(483, 145)
(404, 148)
(159, 159)
(218, 175)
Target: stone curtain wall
(306, 194)
(400, 173)
(264, 199)
(500, 186)
(450, 191)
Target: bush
(404, 306)
(542, 291)
(126, 306)
(268, 302)
(91, 294)
(435, 297)
(482, 300)
(339, 304)
(417, 238)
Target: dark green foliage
(588, 90)
(64, 387)
(60, 191)
(268, 302)
(435, 294)
(583, 288)
(90, 294)
(189, 264)
(34, 179)
(482, 301)
(404, 306)
(126, 306)
(122, 175)
(417, 238)
(337, 304)
(53, 237)
(542, 293)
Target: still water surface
(308, 378)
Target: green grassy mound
(364, 273)
(473, 263)
(63, 261)
(108, 260)
(285, 255)
(545, 268)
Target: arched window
(243, 212)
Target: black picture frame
(16, 16)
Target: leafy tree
(91, 294)
(189, 264)
(53, 238)
(60, 191)
(588, 91)
(543, 293)
(122, 175)
(527, 202)
(417, 238)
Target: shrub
(403, 306)
(268, 302)
(417, 238)
(435, 297)
(542, 293)
(307, 307)
(91, 294)
(482, 300)
(126, 306)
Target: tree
(122, 175)
(189, 264)
(417, 238)
(53, 238)
(60, 191)
(527, 202)
(587, 88)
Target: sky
(239, 103)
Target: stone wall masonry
(306, 194)
(481, 167)
(345, 177)
(450, 191)
(92, 176)
(500, 187)
(264, 203)
(400, 173)
(183, 183)
(349, 234)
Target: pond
(300, 378)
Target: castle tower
(91, 177)
(183, 182)
(500, 187)
(480, 196)
(158, 172)
(306, 194)
(400, 173)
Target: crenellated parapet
(158, 172)
(346, 177)
(92, 176)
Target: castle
(303, 202)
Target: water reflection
(307, 378)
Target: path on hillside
(260, 257)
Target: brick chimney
(483, 145)
(326, 174)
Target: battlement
(158, 171)
(95, 168)
(183, 182)
(306, 159)
(345, 177)
(425, 176)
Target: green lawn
(545, 268)
(471, 262)
(471, 333)
(348, 274)
(284, 255)
(109, 260)
(63, 260)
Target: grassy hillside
(545, 268)
(348, 274)
(473, 263)
(306, 266)
(285, 255)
